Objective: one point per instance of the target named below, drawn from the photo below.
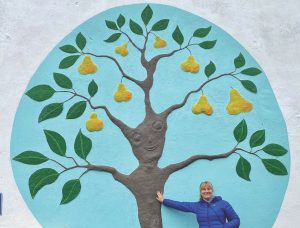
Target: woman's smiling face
(206, 192)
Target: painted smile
(151, 148)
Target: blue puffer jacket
(209, 215)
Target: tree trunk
(149, 212)
(145, 181)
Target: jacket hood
(216, 198)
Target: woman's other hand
(159, 196)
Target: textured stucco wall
(269, 30)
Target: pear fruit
(94, 123)
(122, 50)
(159, 42)
(122, 94)
(87, 66)
(202, 106)
(237, 103)
(190, 65)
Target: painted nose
(150, 139)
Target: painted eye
(137, 137)
(157, 125)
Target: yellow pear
(87, 66)
(202, 106)
(237, 103)
(190, 65)
(122, 94)
(94, 123)
(122, 50)
(159, 42)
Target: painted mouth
(151, 148)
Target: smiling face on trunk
(148, 139)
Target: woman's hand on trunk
(159, 196)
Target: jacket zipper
(207, 215)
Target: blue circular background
(104, 202)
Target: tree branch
(144, 62)
(58, 163)
(101, 168)
(155, 59)
(121, 125)
(177, 166)
(146, 40)
(181, 104)
(137, 82)
(113, 171)
(73, 160)
(249, 152)
(131, 41)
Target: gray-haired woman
(211, 211)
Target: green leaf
(113, 37)
(177, 36)
(275, 167)
(160, 25)
(56, 142)
(240, 131)
(76, 110)
(202, 32)
(41, 178)
(243, 168)
(250, 86)
(31, 158)
(275, 149)
(252, 71)
(239, 61)
(93, 88)
(257, 138)
(80, 41)
(70, 191)
(121, 20)
(68, 61)
(111, 25)
(62, 80)
(135, 27)
(208, 44)
(147, 14)
(51, 111)
(210, 69)
(82, 145)
(40, 92)
(69, 49)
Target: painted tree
(147, 139)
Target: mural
(142, 98)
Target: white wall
(269, 30)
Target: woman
(211, 211)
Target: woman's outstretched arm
(182, 206)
